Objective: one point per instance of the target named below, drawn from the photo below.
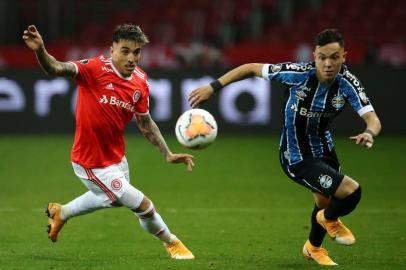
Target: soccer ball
(196, 129)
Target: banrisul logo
(103, 99)
(114, 101)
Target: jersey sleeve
(84, 70)
(354, 93)
(286, 73)
(142, 101)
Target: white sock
(84, 204)
(155, 225)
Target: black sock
(341, 207)
(317, 232)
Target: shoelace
(335, 226)
(319, 252)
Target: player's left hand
(181, 158)
(364, 139)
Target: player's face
(329, 59)
(125, 55)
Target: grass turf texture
(237, 210)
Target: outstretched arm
(201, 94)
(48, 63)
(151, 131)
(372, 130)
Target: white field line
(231, 210)
(270, 210)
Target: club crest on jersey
(276, 68)
(136, 95)
(84, 61)
(325, 180)
(116, 184)
(363, 97)
(338, 101)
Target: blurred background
(237, 210)
(193, 42)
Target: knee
(347, 187)
(116, 204)
(356, 195)
(132, 198)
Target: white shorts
(110, 182)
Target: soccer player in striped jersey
(316, 93)
(112, 91)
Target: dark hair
(130, 32)
(329, 36)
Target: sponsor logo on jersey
(136, 95)
(297, 67)
(338, 101)
(84, 61)
(353, 81)
(325, 180)
(310, 114)
(103, 99)
(107, 69)
(116, 102)
(116, 184)
(109, 86)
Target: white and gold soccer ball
(196, 129)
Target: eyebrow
(320, 53)
(126, 48)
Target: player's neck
(325, 81)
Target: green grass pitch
(236, 210)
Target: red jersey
(106, 102)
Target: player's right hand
(200, 95)
(181, 158)
(32, 38)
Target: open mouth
(130, 68)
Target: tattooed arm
(151, 131)
(48, 63)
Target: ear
(344, 56)
(111, 49)
(314, 55)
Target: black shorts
(321, 175)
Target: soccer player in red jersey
(112, 91)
